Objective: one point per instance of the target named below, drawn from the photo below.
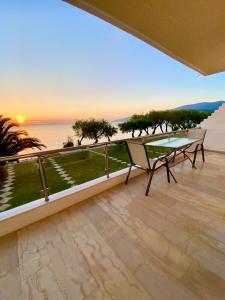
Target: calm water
(53, 135)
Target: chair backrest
(138, 154)
(198, 133)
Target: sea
(53, 135)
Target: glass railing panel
(118, 157)
(81, 165)
(56, 180)
(23, 183)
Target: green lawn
(27, 184)
(83, 168)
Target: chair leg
(149, 183)
(203, 153)
(167, 172)
(195, 155)
(173, 176)
(128, 174)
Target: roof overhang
(191, 31)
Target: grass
(27, 186)
(87, 167)
(81, 166)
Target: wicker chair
(139, 159)
(198, 133)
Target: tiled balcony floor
(123, 245)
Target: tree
(14, 141)
(136, 122)
(68, 143)
(167, 115)
(142, 123)
(128, 126)
(163, 119)
(81, 130)
(93, 129)
(186, 119)
(109, 130)
(198, 116)
(173, 120)
(157, 119)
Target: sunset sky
(60, 63)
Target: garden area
(62, 171)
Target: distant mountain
(121, 120)
(202, 106)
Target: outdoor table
(175, 146)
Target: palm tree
(13, 141)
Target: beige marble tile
(97, 216)
(121, 215)
(162, 285)
(216, 229)
(51, 267)
(204, 283)
(109, 271)
(207, 252)
(171, 255)
(10, 284)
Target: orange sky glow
(51, 108)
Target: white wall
(215, 125)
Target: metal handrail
(39, 155)
(81, 147)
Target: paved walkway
(112, 158)
(62, 173)
(7, 188)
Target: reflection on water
(53, 135)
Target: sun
(20, 119)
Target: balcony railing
(92, 161)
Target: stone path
(6, 190)
(112, 158)
(62, 173)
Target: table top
(175, 143)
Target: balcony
(120, 244)
(92, 237)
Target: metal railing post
(106, 160)
(41, 171)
